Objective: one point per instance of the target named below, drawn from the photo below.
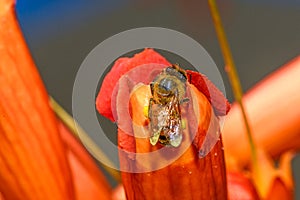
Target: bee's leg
(183, 124)
(152, 88)
(150, 108)
(184, 100)
(154, 136)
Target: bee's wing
(158, 116)
(154, 138)
(176, 139)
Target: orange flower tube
(148, 171)
(189, 177)
(272, 109)
(33, 160)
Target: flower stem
(232, 74)
(76, 130)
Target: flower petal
(89, 182)
(121, 66)
(189, 177)
(33, 160)
(240, 187)
(279, 191)
(213, 94)
(274, 181)
(200, 178)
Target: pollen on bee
(183, 124)
(146, 110)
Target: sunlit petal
(89, 182)
(33, 160)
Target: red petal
(121, 66)
(240, 187)
(279, 191)
(213, 94)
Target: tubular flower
(35, 163)
(239, 187)
(39, 159)
(265, 109)
(149, 169)
(276, 136)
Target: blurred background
(263, 34)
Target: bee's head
(167, 86)
(176, 71)
(171, 81)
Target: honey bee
(168, 93)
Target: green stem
(76, 130)
(232, 74)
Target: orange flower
(39, 159)
(262, 170)
(241, 184)
(275, 126)
(274, 121)
(34, 161)
(182, 178)
(189, 177)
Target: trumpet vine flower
(35, 162)
(189, 176)
(41, 159)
